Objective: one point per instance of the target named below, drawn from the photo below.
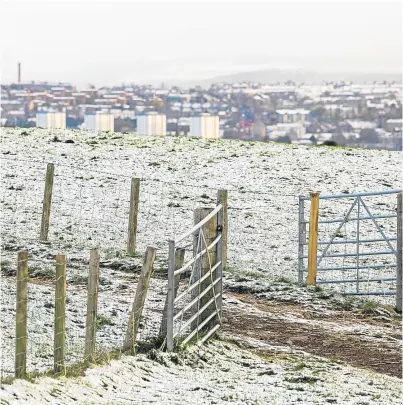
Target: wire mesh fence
(91, 208)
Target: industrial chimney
(19, 72)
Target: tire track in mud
(338, 336)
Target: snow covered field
(90, 208)
(219, 373)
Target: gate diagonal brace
(337, 231)
(378, 227)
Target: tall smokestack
(19, 72)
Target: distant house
(394, 125)
(289, 116)
(51, 119)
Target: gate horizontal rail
(381, 252)
(336, 220)
(354, 195)
(371, 280)
(343, 242)
(376, 266)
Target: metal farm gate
(193, 307)
(360, 250)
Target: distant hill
(298, 76)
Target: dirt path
(338, 335)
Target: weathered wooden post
(222, 198)
(139, 299)
(47, 202)
(60, 314)
(134, 208)
(21, 315)
(301, 237)
(202, 239)
(179, 259)
(313, 239)
(399, 255)
(92, 304)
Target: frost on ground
(90, 208)
(218, 373)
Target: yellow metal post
(313, 239)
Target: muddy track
(343, 336)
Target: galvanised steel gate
(194, 309)
(360, 249)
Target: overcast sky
(111, 43)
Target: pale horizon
(115, 43)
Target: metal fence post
(301, 237)
(313, 239)
(399, 255)
(179, 260)
(170, 295)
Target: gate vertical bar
(220, 258)
(170, 295)
(301, 238)
(222, 198)
(313, 239)
(399, 255)
(358, 244)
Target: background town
(344, 113)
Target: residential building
(205, 126)
(50, 119)
(151, 123)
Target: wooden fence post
(399, 255)
(179, 259)
(313, 239)
(222, 198)
(21, 315)
(60, 314)
(209, 231)
(139, 299)
(47, 202)
(134, 208)
(92, 304)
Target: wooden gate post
(179, 259)
(21, 315)
(313, 239)
(47, 202)
(134, 208)
(60, 314)
(139, 299)
(92, 304)
(399, 255)
(209, 231)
